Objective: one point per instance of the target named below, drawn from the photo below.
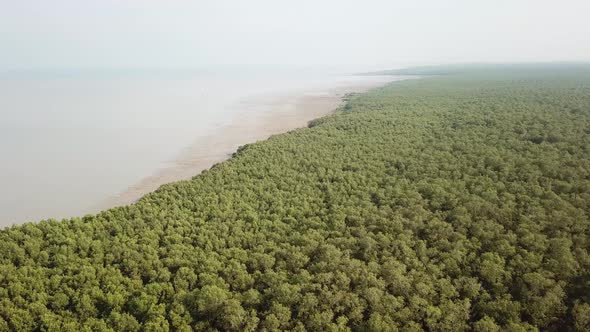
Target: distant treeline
(507, 70)
(450, 203)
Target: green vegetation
(450, 203)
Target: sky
(41, 34)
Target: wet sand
(260, 117)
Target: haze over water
(71, 140)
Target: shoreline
(262, 117)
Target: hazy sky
(184, 33)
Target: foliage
(448, 203)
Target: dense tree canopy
(450, 203)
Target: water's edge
(278, 114)
(256, 118)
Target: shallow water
(69, 141)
